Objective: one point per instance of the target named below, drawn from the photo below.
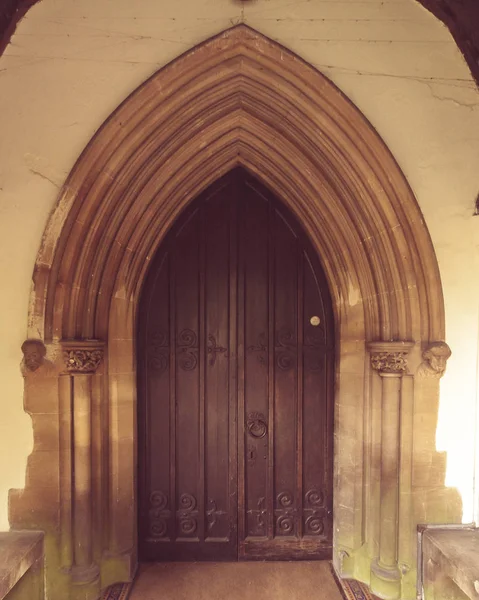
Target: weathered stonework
(389, 359)
(389, 362)
(222, 105)
(34, 361)
(461, 18)
(82, 357)
(435, 357)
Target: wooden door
(235, 381)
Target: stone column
(389, 360)
(82, 359)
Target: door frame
(237, 99)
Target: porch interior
(304, 580)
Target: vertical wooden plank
(241, 332)
(271, 383)
(285, 378)
(254, 243)
(236, 354)
(328, 401)
(329, 427)
(220, 523)
(317, 492)
(202, 341)
(143, 447)
(156, 407)
(188, 370)
(172, 457)
(299, 392)
(143, 430)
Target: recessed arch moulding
(239, 99)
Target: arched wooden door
(235, 374)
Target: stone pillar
(82, 359)
(389, 360)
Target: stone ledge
(19, 552)
(451, 554)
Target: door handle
(257, 425)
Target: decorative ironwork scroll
(187, 350)
(261, 348)
(257, 525)
(314, 512)
(159, 515)
(285, 349)
(285, 513)
(158, 351)
(214, 349)
(187, 514)
(213, 514)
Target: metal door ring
(257, 425)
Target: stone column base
(85, 575)
(385, 581)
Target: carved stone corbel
(34, 358)
(82, 358)
(435, 358)
(389, 359)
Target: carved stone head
(435, 357)
(34, 353)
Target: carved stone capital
(82, 356)
(435, 358)
(390, 357)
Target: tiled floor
(236, 581)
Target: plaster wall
(70, 64)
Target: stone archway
(239, 99)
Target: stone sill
(20, 551)
(451, 556)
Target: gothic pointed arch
(237, 100)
